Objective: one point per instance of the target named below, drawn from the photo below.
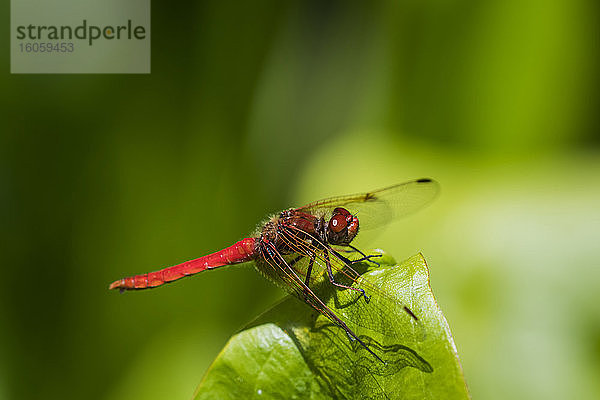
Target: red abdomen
(242, 251)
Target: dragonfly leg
(308, 271)
(307, 280)
(364, 256)
(333, 282)
(355, 250)
(311, 299)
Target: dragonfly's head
(342, 227)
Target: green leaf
(294, 352)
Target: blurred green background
(255, 107)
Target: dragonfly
(299, 248)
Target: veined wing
(291, 271)
(282, 270)
(379, 207)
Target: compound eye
(337, 223)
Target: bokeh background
(255, 107)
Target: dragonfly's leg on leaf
(308, 271)
(368, 258)
(333, 282)
(365, 257)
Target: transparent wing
(290, 271)
(302, 263)
(282, 269)
(378, 208)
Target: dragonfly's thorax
(268, 233)
(283, 233)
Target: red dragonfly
(297, 248)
